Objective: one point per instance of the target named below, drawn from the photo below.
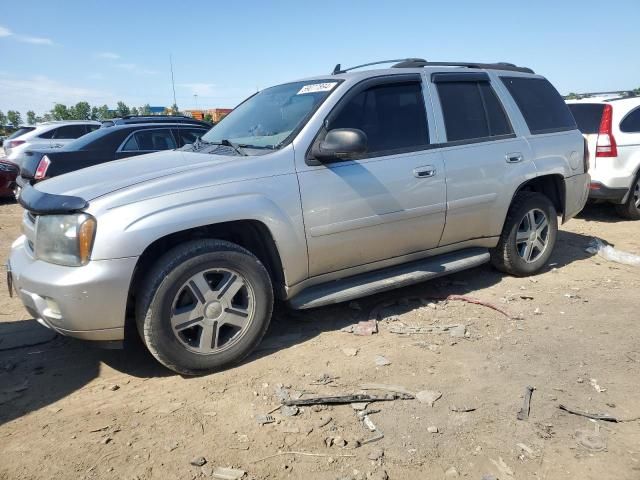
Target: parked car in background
(8, 174)
(107, 144)
(315, 192)
(131, 119)
(611, 126)
(54, 134)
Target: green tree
(104, 112)
(31, 117)
(175, 110)
(208, 118)
(636, 91)
(61, 112)
(122, 109)
(134, 111)
(3, 118)
(571, 96)
(81, 111)
(95, 113)
(47, 117)
(14, 117)
(145, 109)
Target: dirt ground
(71, 410)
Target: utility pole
(195, 97)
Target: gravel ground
(70, 410)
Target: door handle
(514, 157)
(424, 172)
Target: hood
(93, 182)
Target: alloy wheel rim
(532, 237)
(212, 310)
(636, 194)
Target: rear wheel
(204, 306)
(631, 208)
(528, 237)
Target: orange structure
(217, 114)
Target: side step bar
(389, 278)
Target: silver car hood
(100, 180)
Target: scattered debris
(451, 472)
(489, 476)
(406, 330)
(378, 436)
(502, 466)
(100, 429)
(537, 311)
(459, 332)
(607, 252)
(523, 414)
(382, 361)
(375, 454)
(364, 328)
(342, 399)
(428, 396)
(350, 352)
(325, 379)
(369, 423)
(526, 449)
(598, 388)
(264, 419)
(476, 301)
(596, 416)
(114, 387)
(289, 410)
(591, 439)
(228, 473)
(198, 461)
(432, 429)
(307, 454)
(461, 408)
(358, 406)
(323, 422)
(386, 388)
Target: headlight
(65, 239)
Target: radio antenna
(173, 83)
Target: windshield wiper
(229, 143)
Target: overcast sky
(114, 50)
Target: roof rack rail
(417, 63)
(337, 69)
(621, 93)
(420, 62)
(151, 116)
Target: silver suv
(313, 192)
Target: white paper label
(317, 87)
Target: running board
(389, 278)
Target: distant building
(217, 114)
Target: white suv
(46, 135)
(611, 126)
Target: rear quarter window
(541, 105)
(631, 123)
(587, 116)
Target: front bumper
(86, 302)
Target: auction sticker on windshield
(317, 87)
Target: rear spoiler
(42, 203)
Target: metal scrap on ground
(523, 414)
(344, 399)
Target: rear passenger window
(149, 141)
(393, 116)
(631, 123)
(472, 111)
(70, 132)
(541, 105)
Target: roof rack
(621, 93)
(420, 62)
(152, 116)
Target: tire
(204, 306)
(511, 255)
(631, 208)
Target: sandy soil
(70, 410)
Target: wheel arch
(252, 235)
(552, 186)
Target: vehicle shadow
(601, 212)
(36, 376)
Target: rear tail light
(14, 143)
(43, 166)
(606, 144)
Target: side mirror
(341, 143)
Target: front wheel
(528, 237)
(204, 306)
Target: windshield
(268, 118)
